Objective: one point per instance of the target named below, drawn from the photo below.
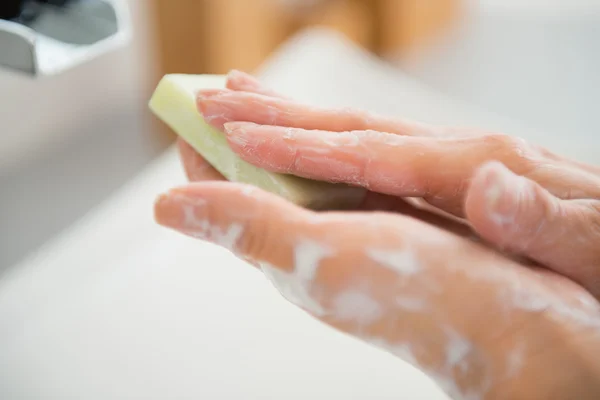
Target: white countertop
(119, 308)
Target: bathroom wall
(36, 115)
(68, 142)
(535, 61)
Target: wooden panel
(179, 35)
(408, 24)
(214, 36)
(210, 36)
(241, 33)
(353, 18)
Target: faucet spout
(46, 37)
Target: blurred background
(70, 140)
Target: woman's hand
(519, 197)
(483, 326)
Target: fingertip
(237, 134)
(203, 94)
(213, 113)
(495, 200)
(245, 82)
(238, 80)
(212, 199)
(497, 188)
(234, 126)
(508, 209)
(166, 211)
(519, 215)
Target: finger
(232, 223)
(198, 169)
(195, 166)
(226, 106)
(382, 162)
(437, 169)
(241, 81)
(332, 278)
(442, 303)
(365, 158)
(516, 213)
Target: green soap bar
(174, 102)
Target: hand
(481, 325)
(477, 322)
(517, 196)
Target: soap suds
(525, 300)
(339, 170)
(356, 306)
(444, 380)
(394, 140)
(507, 189)
(533, 297)
(190, 220)
(308, 255)
(238, 137)
(226, 238)
(190, 200)
(514, 361)
(292, 289)
(410, 303)
(493, 194)
(400, 350)
(401, 261)
(457, 350)
(249, 191)
(202, 229)
(289, 133)
(229, 237)
(296, 286)
(215, 117)
(341, 139)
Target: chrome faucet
(47, 37)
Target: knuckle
(512, 150)
(594, 222)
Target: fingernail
(237, 133)
(188, 214)
(214, 112)
(166, 211)
(207, 93)
(242, 78)
(235, 74)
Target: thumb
(251, 232)
(519, 215)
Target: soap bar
(174, 102)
